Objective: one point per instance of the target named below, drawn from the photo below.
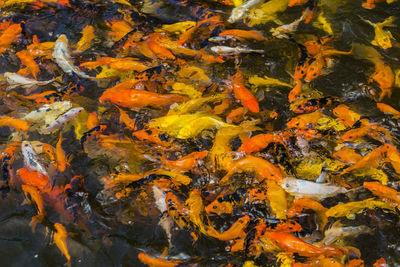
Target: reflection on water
(162, 164)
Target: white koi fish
(30, 159)
(63, 59)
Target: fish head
(290, 184)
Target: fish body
(62, 119)
(232, 51)
(18, 124)
(347, 209)
(86, 40)
(157, 261)
(290, 243)
(63, 58)
(35, 196)
(236, 84)
(9, 36)
(388, 110)
(263, 169)
(382, 38)
(383, 191)
(234, 232)
(253, 35)
(62, 161)
(239, 12)
(15, 80)
(133, 98)
(60, 239)
(30, 158)
(48, 112)
(29, 62)
(337, 232)
(260, 141)
(304, 188)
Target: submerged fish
(231, 51)
(15, 80)
(30, 158)
(63, 58)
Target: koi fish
(133, 98)
(60, 239)
(347, 209)
(236, 84)
(187, 162)
(303, 188)
(86, 40)
(347, 155)
(268, 11)
(345, 114)
(63, 119)
(290, 243)
(30, 159)
(388, 110)
(35, 179)
(373, 159)
(15, 80)
(157, 261)
(231, 51)
(235, 231)
(9, 36)
(382, 38)
(383, 191)
(260, 141)
(284, 30)
(62, 161)
(63, 58)
(277, 199)
(254, 35)
(305, 120)
(18, 124)
(370, 4)
(196, 126)
(263, 169)
(239, 12)
(34, 195)
(29, 62)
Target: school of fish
(211, 125)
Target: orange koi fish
(371, 130)
(260, 141)
(370, 4)
(38, 49)
(157, 261)
(235, 231)
(128, 65)
(289, 243)
(9, 36)
(383, 191)
(153, 41)
(124, 118)
(388, 110)
(35, 179)
(62, 161)
(295, 92)
(17, 124)
(187, 162)
(384, 76)
(60, 239)
(150, 135)
(345, 114)
(347, 155)
(243, 94)
(236, 115)
(133, 98)
(254, 35)
(34, 194)
(263, 169)
(315, 68)
(118, 29)
(29, 62)
(305, 120)
(373, 159)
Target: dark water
(113, 232)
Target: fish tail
(389, 22)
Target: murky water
(107, 230)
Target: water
(105, 231)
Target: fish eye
(215, 207)
(314, 74)
(287, 185)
